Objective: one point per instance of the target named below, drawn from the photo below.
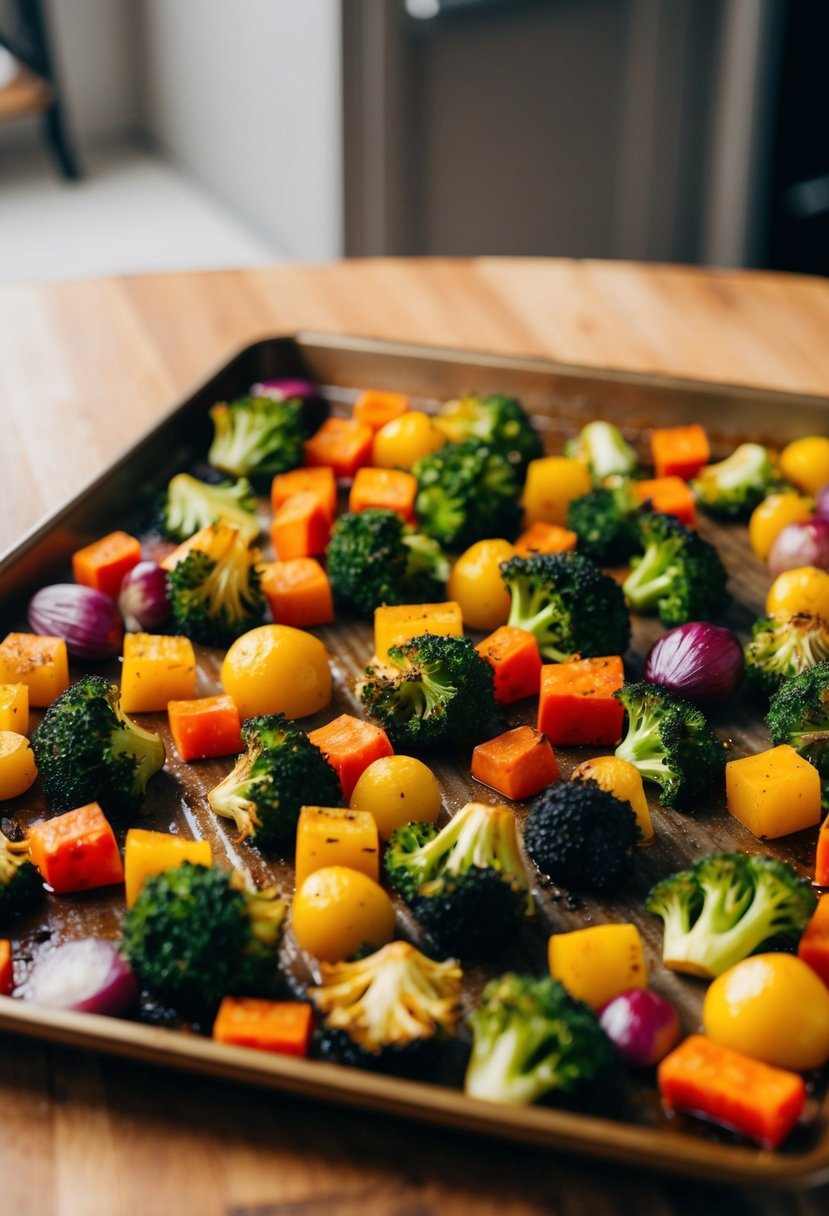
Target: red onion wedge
(698, 661)
(143, 597)
(641, 1025)
(803, 544)
(87, 620)
(285, 388)
(87, 976)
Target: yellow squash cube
(598, 963)
(336, 836)
(17, 764)
(148, 853)
(552, 484)
(157, 669)
(773, 793)
(397, 623)
(14, 708)
(41, 663)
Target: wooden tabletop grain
(85, 367)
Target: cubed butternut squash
(773, 793)
(336, 836)
(14, 708)
(397, 623)
(320, 481)
(517, 764)
(552, 484)
(147, 853)
(599, 962)
(350, 745)
(17, 764)
(157, 669)
(41, 663)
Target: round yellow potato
(476, 584)
(804, 589)
(774, 514)
(337, 910)
(277, 669)
(772, 1007)
(397, 790)
(401, 442)
(805, 462)
(17, 764)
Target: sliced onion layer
(86, 976)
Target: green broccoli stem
(231, 797)
(478, 835)
(535, 612)
(419, 692)
(643, 748)
(652, 576)
(425, 556)
(143, 746)
(266, 912)
(501, 1067)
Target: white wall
(246, 95)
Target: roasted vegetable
(799, 715)
(605, 449)
(191, 504)
(20, 883)
(257, 436)
(466, 492)
(735, 486)
(679, 575)
(373, 558)
(605, 521)
(781, 649)
(215, 591)
(499, 422)
(581, 836)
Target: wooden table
(84, 368)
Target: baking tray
(561, 399)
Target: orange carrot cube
(342, 443)
(284, 1027)
(516, 664)
(300, 527)
(320, 481)
(541, 537)
(375, 409)
(679, 451)
(822, 855)
(104, 563)
(517, 764)
(576, 702)
(76, 851)
(668, 496)
(350, 746)
(814, 944)
(388, 489)
(205, 727)
(298, 592)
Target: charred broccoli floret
(581, 836)
(465, 884)
(679, 575)
(192, 504)
(799, 715)
(435, 691)
(215, 592)
(383, 1009)
(569, 604)
(20, 883)
(466, 492)
(88, 750)
(196, 934)
(670, 742)
(499, 422)
(531, 1038)
(373, 558)
(781, 649)
(257, 436)
(280, 772)
(606, 451)
(735, 486)
(726, 907)
(605, 522)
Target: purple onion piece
(87, 620)
(800, 544)
(641, 1025)
(143, 598)
(283, 389)
(699, 661)
(822, 503)
(87, 976)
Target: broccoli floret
(679, 575)
(726, 907)
(781, 649)
(606, 451)
(499, 422)
(434, 691)
(373, 558)
(257, 436)
(581, 836)
(735, 486)
(670, 742)
(215, 592)
(280, 772)
(88, 750)
(386, 1007)
(799, 715)
(192, 504)
(466, 492)
(569, 604)
(605, 522)
(196, 934)
(20, 883)
(466, 883)
(531, 1038)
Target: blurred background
(138, 135)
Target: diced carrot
(298, 592)
(545, 538)
(576, 702)
(41, 663)
(822, 855)
(350, 746)
(320, 481)
(6, 968)
(208, 726)
(392, 489)
(342, 443)
(516, 664)
(754, 1099)
(281, 1026)
(814, 944)
(679, 451)
(104, 563)
(517, 764)
(668, 496)
(375, 409)
(300, 527)
(76, 851)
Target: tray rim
(601, 1138)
